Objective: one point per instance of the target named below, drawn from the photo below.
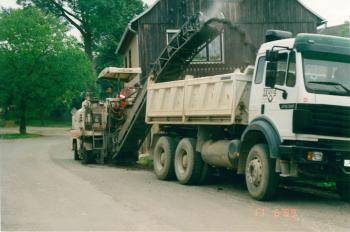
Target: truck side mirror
(271, 74)
(271, 55)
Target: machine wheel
(343, 188)
(75, 151)
(87, 156)
(163, 158)
(261, 178)
(188, 162)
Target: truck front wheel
(188, 162)
(163, 158)
(261, 178)
(343, 188)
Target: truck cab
(301, 106)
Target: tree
(345, 29)
(41, 67)
(100, 22)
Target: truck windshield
(327, 76)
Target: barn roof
(129, 32)
(320, 19)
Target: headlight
(314, 156)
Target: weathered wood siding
(253, 17)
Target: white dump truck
(289, 116)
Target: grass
(37, 123)
(330, 185)
(49, 123)
(145, 162)
(326, 185)
(19, 136)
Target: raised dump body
(214, 100)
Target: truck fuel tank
(221, 153)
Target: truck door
(278, 103)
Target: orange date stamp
(277, 213)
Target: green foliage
(50, 123)
(42, 68)
(19, 136)
(145, 162)
(100, 22)
(345, 29)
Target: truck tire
(343, 188)
(188, 162)
(261, 178)
(163, 158)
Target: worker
(87, 101)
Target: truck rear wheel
(343, 188)
(261, 178)
(188, 162)
(163, 158)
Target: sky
(334, 11)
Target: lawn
(19, 136)
(49, 123)
(37, 123)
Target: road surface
(43, 188)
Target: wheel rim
(182, 162)
(161, 160)
(254, 172)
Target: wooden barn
(148, 34)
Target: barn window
(213, 52)
(170, 34)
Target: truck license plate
(346, 163)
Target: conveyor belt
(134, 130)
(193, 36)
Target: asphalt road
(43, 188)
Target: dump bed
(219, 100)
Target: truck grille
(325, 120)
